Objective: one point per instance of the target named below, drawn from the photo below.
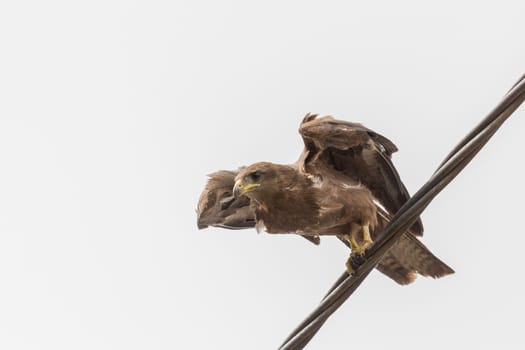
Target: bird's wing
(219, 208)
(360, 154)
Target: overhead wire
(451, 166)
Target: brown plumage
(408, 257)
(339, 186)
(286, 200)
(219, 208)
(358, 153)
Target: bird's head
(261, 178)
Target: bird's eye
(255, 176)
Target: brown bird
(343, 184)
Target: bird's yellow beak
(240, 188)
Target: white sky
(112, 113)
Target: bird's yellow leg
(351, 237)
(358, 250)
(367, 239)
(353, 242)
(354, 246)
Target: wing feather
(219, 208)
(359, 153)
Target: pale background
(112, 113)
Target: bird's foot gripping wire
(354, 261)
(358, 255)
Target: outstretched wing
(218, 207)
(362, 155)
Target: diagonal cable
(455, 161)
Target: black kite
(343, 184)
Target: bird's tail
(408, 257)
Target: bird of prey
(343, 184)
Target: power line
(453, 164)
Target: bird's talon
(354, 262)
(349, 267)
(358, 259)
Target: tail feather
(414, 255)
(410, 256)
(391, 267)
